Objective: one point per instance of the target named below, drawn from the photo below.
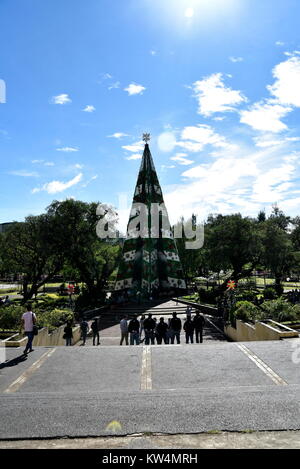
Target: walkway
(111, 335)
(113, 390)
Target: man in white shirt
(28, 321)
(124, 330)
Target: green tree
(232, 243)
(28, 249)
(95, 259)
(279, 254)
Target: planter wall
(270, 330)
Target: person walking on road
(84, 326)
(124, 330)
(189, 330)
(68, 333)
(134, 331)
(199, 322)
(149, 327)
(175, 326)
(95, 330)
(28, 324)
(161, 332)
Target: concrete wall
(245, 332)
(44, 338)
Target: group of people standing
(84, 330)
(148, 330)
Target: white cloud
(270, 186)
(182, 159)
(213, 96)
(61, 99)
(133, 89)
(24, 173)
(194, 138)
(167, 166)
(286, 87)
(134, 157)
(267, 140)
(114, 85)
(93, 178)
(106, 76)
(67, 149)
(153, 52)
(89, 108)
(118, 135)
(236, 59)
(57, 186)
(43, 162)
(135, 147)
(279, 43)
(265, 116)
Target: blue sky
(215, 82)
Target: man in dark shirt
(199, 322)
(161, 331)
(189, 330)
(175, 326)
(149, 327)
(95, 329)
(134, 330)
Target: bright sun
(189, 12)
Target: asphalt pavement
(169, 389)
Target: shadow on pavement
(14, 362)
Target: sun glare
(189, 12)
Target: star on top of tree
(146, 137)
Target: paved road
(79, 391)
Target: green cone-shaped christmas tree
(150, 261)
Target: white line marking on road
(13, 387)
(263, 366)
(146, 374)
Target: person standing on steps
(149, 327)
(175, 326)
(84, 326)
(95, 330)
(68, 333)
(134, 331)
(199, 323)
(124, 330)
(161, 332)
(28, 324)
(189, 330)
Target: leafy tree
(93, 258)
(28, 249)
(278, 250)
(233, 243)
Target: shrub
(246, 295)
(269, 293)
(280, 310)
(296, 311)
(10, 317)
(246, 311)
(53, 319)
